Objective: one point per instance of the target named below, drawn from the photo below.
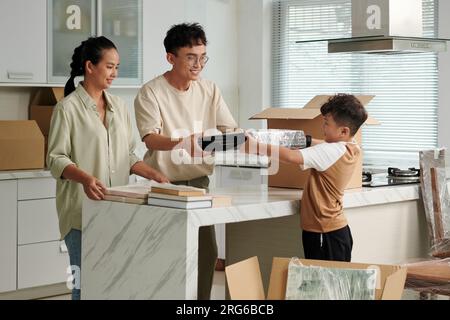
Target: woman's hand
(94, 188)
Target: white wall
(444, 76)
(219, 19)
(254, 59)
(14, 103)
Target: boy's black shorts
(335, 245)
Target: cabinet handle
(63, 247)
(20, 75)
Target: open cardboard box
(245, 282)
(42, 105)
(21, 145)
(41, 109)
(309, 120)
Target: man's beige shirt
(77, 136)
(161, 108)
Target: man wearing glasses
(171, 111)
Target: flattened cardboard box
(245, 282)
(309, 120)
(21, 145)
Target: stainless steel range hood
(387, 27)
(387, 45)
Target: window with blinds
(405, 85)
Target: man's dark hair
(346, 110)
(184, 35)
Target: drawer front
(37, 221)
(232, 176)
(40, 188)
(42, 264)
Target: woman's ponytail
(76, 69)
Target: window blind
(405, 85)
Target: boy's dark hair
(184, 35)
(346, 110)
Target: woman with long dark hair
(91, 143)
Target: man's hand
(159, 177)
(190, 144)
(94, 188)
(250, 145)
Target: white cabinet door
(121, 22)
(38, 188)
(8, 227)
(37, 221)
(69, 23)
(23, 41)
(42, 264)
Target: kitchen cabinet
(232, 176)
(8, 240)
(30, 250)
(71, 22)
(23, 41)
(121, 22)
(42, 259)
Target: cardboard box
(21, 145)
(42, 104)
(245, 282)
(308, 119)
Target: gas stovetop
(393, 176)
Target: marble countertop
(259, 202)
(244, 195)
(24, 174)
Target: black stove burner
(398, 173)
(366, 176)
(395, 177)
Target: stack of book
(185, 197)
(166, 195)
(134, 193)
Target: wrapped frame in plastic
(294, 139)
(319, 283)
(436, 200)
(429, 277)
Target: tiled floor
(218, 289)
(217, 292)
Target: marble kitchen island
(146, 252)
